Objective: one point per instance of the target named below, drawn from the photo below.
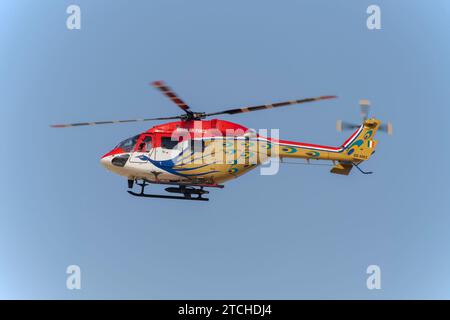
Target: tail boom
(358, 147)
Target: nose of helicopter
(115, 160)
(105, 161)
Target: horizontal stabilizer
(342, 168)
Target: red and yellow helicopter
(192, 154)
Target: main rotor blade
(269, 106)
(168, 92)
(78, 124)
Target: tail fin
(359, 147)
(363, 146)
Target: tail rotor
(364, 106)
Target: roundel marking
(368, 134)
(232, 170)
(289, 149)
(313, 153)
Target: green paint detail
(232, 170)
(354, 146)
(357, 143)
(289, 149)
(313, 153)
(368, 134)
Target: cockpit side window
(128, 144)
(145, 145)
(168, 143)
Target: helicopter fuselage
(210, 152)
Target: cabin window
(145, 145)
(168, 143)
(128, 144)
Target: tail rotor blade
(339, 125)
(387, 127)
(364, 105)
(343, 126)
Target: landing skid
(188, 192)
(163, 196)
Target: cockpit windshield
(128, 144)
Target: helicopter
(192, 153)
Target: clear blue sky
(303, 233)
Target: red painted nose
(110, 160)
(113, 152)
